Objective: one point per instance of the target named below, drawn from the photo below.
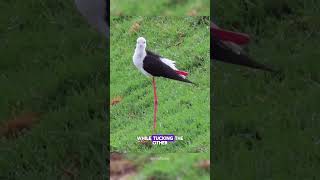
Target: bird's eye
(144, 42)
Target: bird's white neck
(138, 57)
(140, 52)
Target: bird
(96, 13)
(154, 65)
(227, 47)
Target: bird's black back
(154, 66)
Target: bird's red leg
(155, 105)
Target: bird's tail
(238, 38)
(188, 81)
(180, 78)
(183, 74)
(222, 52)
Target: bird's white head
(141, 43)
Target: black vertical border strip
(212, 106)
(106, 148)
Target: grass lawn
(188, 166)
(183, 108)
(267, 126)
(160, 7)
(52, 69)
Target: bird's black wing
(154, 66)
(224, 52)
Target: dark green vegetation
(183, 108)
(51, 63)
(266, 126)
(160, 7)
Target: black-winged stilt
(153, 65)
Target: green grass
(160, 7)
(267, 126)
(171, 166)
(53, 63)
(183, 108)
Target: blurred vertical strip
(107, 147)
(97, 13)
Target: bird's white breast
(138, 58)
